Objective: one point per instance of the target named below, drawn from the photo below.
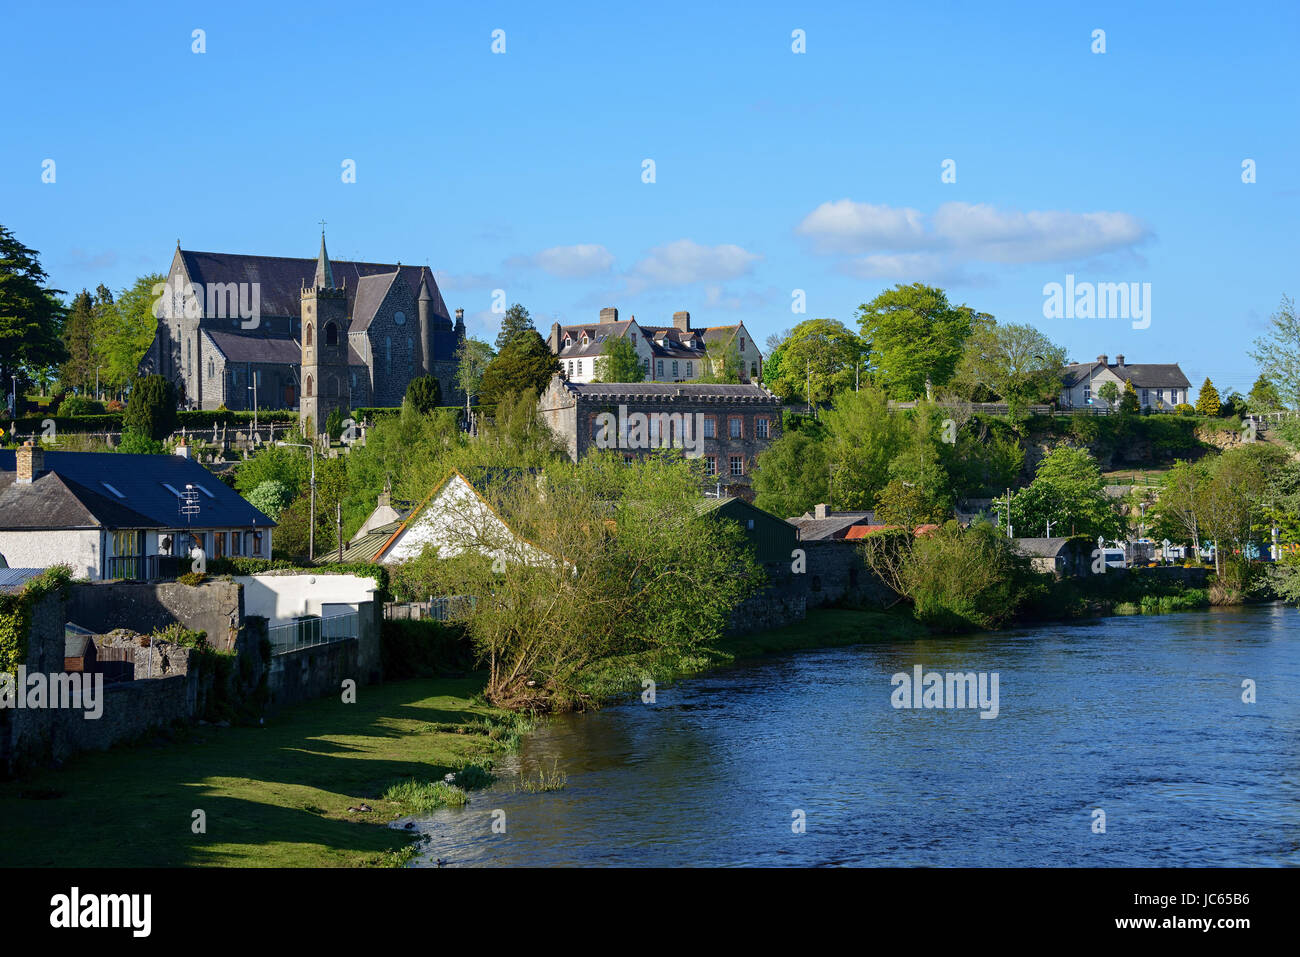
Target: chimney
(1119, 360)
(555, 339)
(183, 450)
(609, 314)
(821, 511)
(460, 323)
(1102, 360)
(31, 463)
(682, 320)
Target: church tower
(324, 382)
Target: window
(570, 368)
(1087, 395)
(309, 328)
(218, 544)
(579, 367)
(690, 370)
(331, 334)
(1160, 395)
(761, 427)
(307, 390)
(711, 465)
(749, 524)
(742, 343)
(710, 427)
(737, 465)
(659, 368)
(674, 368)
(236, 543)
(212, 369)
(645, 364)
(634, 338)
(257, 543)
(1146, 400)
(733, 426)
(399, 318)
(113, 490)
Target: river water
(802, 759)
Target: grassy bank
(274, 796)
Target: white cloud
(454, 282)
(686, 261)
(899, 242)
(569, 262)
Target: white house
(1159, 386)
(676, 353)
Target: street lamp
(311, 530)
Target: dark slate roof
(835, 525)
(255, 347)
(282, 278)
(668, 391)
(1143, 375)
(54, 501)
(140, 479)
(1039, 547)
(371, 291)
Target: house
(774, 539)
(821, 524)
(111, 515)
(1159, 386)
(461, 514)
(242, 330)
(676, 353)
(726, 425)
(1062, 557)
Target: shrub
(423, 796)
(79, 405)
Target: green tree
(862, 438)
(1263, 396)
(1207, 400)
(30, 315)
(525, 363)
(619, 362)
(124, 330)
(792, 474)
(1109, 391)
(79, 342)
(1015, 363)
(916, 336)
(722, 363)
(1278, 352)
(472, 359)
(1128, 404)
(1068, 490)
(514, 323)
(271, 498)
(151, 409)
(424, 393)
(821, 353)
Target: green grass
(424, 796)
(275, 796)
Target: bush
(133, 443)
(151, 410)
(79, 405)
(422, 649)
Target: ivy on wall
(16, 614)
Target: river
(803, 759)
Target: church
(269, 332)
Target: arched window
(307, 390)
(331, 334)
(309, 333)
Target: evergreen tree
(1129, 404)
(151, 410)
(1263, 396)
(79, 341)
(525, 364)
(30, 315)
(424, 394)
(1207, 400)
(514, 323)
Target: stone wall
(838, 574)
(215, 607)
(308, 673)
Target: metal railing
(312, 630)
(144, 567)
(445, 608)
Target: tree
(30, 314)
(619, 362)
(424, 393)
(270, 498)
(472, 358)
(916, 337)
(514, 323)
(1015, 362)
(1278, 352)
(525, 363)
(1207, 400)
(862, 438)
(818, 354)
(1175, 514)
(1068, 489)
(1128, 404)
(1263, 396)
(722, 363)
(1109, 391)
(124, 330)
(792, 474)
(151, 410)
(79, 342)
(1232, 494)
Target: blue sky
(774, 171)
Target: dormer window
(567, 342)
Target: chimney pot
(821, 511)
(1103, 360)
(682, 320)
(609, 314)
(1119, 360)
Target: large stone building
(675, 353)
(726, 425)
(308, 334)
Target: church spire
(324, 273)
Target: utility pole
(338, 526)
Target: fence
(446, 608)
(311, 630)
(144, 567)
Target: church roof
(282, 279)
(252, 347)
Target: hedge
(258, 566)
(422, 649)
